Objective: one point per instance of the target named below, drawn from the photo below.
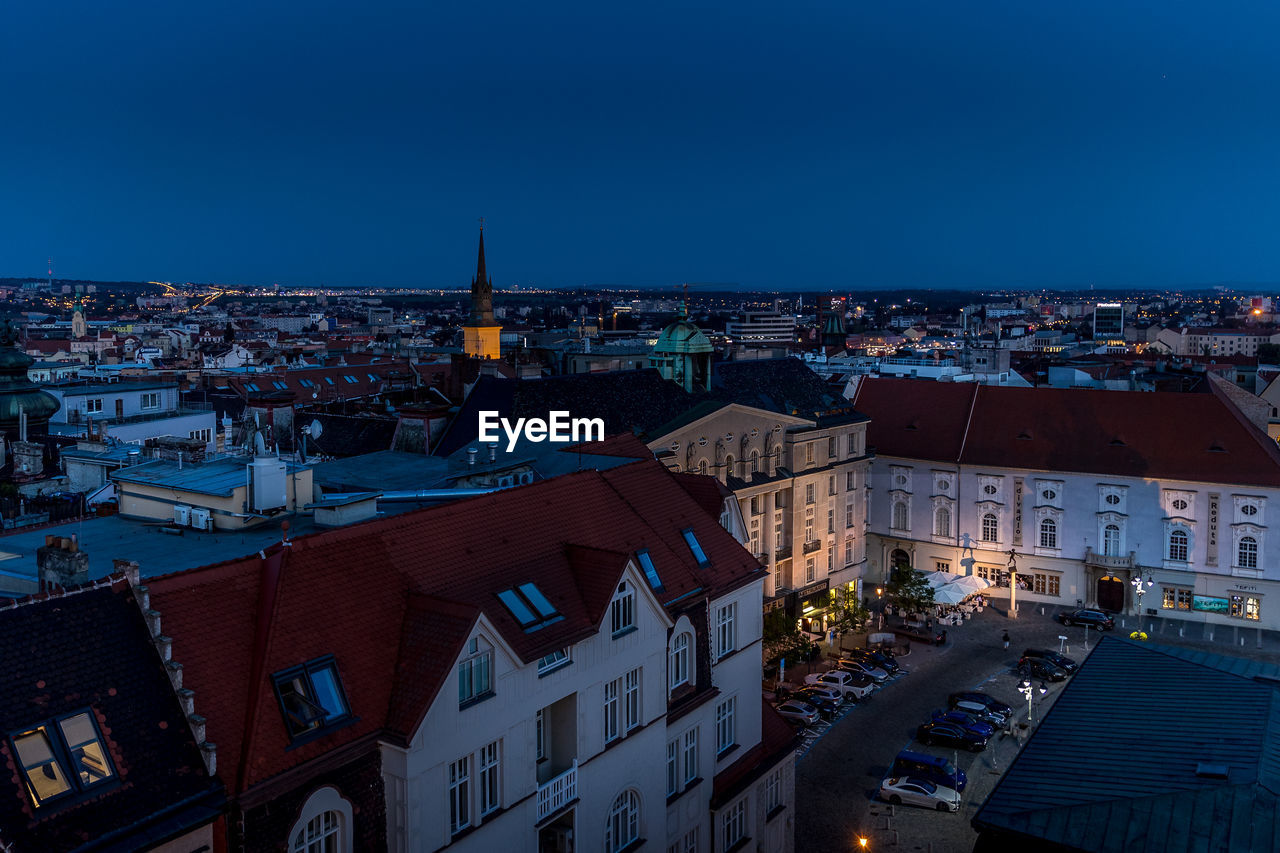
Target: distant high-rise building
(1108, 321)
(761, 327)
(481, 336)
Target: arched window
(624, 822)
(324, 824)
(899, 516)
(679, 665)
(702, 467)
(990, 528)
(1048, 533)
(1111, 540)
(623, 609)
(1178, 542)
(729, 463)
(755, 461)
(942, 522)
(1248, 553)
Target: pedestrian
(1005, 639)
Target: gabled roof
(91, 649)
(1113, 765)
(363, 592)
(1069, 430)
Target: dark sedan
(819, 699)
(1089, 618)
(1062, 662)
(880, 659)
(1041, 668)
(968, 721)
(950, 734)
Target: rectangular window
(1176, 598)
(778, 581)
(539, 735)
(673, 767)
(688, 843)
(623, 609)
(490, 782)
(941, 565)
(62, 757)
(850, 480)
(151, 400)
(831, 521)
(1055, 585)
(808, 525)
(474, 672)
(690, 755)
(460, 795)
(633, 698)
(726, 733)
(1252, 608)
(611, 689)
(808, 570)
(808, 452)
(726, 640)
(778, 536)
(733, 824)
(831, 484)
(848, 515)
(848, 552)
(553, 660)
(93, 406)
(780, 498)
(773, 791)
(755, 505)
(810, 493)
(831, 448)
(311, 696)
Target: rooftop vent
(1213, 771)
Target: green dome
(682, 337)
(19, 392)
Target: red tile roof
(390, 601)
(327, 383)
(1191, 437)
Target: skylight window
(311, 697)
(329, 379)
(61, 757)
(372, 378)
(279, 386)
(349, 378)
(650, 571)
(695, 547)
(529, 606)
(305, 383)
(251, 386)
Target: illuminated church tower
(481, 335)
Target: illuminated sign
(1208, 604)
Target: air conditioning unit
(182, 515)
(201, 518)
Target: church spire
(481, 290)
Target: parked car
(870, 670)
(919, 792)
(982, 712)
(826, 700)
(973, 723)
(798, 712)
(935, 637)
(985, 700)
(1063, 662)
(1088, 618)
(950, 734)
(880, 659)
(840, 680)
(1041, 668)
(936, 769)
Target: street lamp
(1027, 690)
(1139, 589)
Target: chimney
(471, 455)
(493, 452)
(61, 563)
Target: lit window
(311, 696)
(692, 541)
(61, 757)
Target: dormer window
(311, 697)
(622, 612)
(529, 607)
(61, 757)
(695, 547)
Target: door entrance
(1110, 594)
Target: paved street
(838, 777)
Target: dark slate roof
(627, 400)
(784, 385)
(91, 648)
(1112, 767)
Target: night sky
(843, 145)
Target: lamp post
(1027, 690)
(1140, 587)
(880, 604)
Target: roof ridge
(54, 593)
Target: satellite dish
(316, 429)
(259, 444)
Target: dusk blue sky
(842, 145)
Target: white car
(839, 680)
(800, 712)
(982, 712)
(919, 792)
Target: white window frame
(733, 824)
(479, 659)
(631, 699)
(490, 764)
(622, 827)
(459, 788)
(690, 755)
(990, 532)
(326, 799)
(611, 710)
(678, 665)
(726, 727)
(726, 633)
(622, 610)
(153, 397)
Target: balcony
(815, 545)
(558, 792)
(782, 553)
(1093, 558)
